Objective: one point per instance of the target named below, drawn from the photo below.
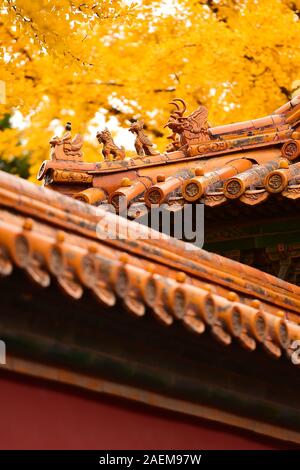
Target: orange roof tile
(247, 161)
(52, 236)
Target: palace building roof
(51, 236)
(111, 298)
(248, 162)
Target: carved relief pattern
(233, 187)
(275, 181)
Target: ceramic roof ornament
(143, 144)
(110, 150)
(66, 148)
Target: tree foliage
(68, 59)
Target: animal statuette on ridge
(187, 130)
(143, 144)
(66, 148)
(110, 150)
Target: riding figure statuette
(66, 148)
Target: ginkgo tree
(69, 60)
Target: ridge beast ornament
(188, 130)
(66, 148)
(110, 150)
(143, 144)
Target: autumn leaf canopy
(82, 60)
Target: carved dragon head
(193, 126)
(177, 123)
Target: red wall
(37, 415)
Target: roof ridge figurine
(66, 148)
(187, 130)
(143, 144)
(246, 161)
(110, 150)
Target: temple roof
(112, 299)
(51, 236)
(249, 162)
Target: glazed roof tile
(248, 161)
(240, 179)
(252, 186)
(51, 236)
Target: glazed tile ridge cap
(289, 106)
